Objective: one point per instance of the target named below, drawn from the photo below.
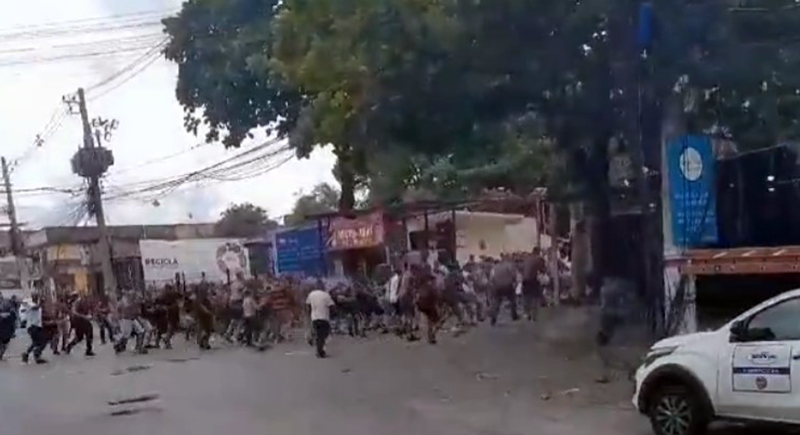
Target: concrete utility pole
(10, 210)
(93, 173)
(17, 247)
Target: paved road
(491, 381)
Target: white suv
(747, 370)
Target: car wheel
(675, 410)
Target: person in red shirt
(280, 304)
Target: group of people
(259, 313)
(439, 290)
(254, 312)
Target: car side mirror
(739, 331)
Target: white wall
(161, 259)
(499, 233)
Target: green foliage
(323, 198)
(244, 220)
(452, 97)
(221, 88)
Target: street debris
(137, 399)
(126, 412)
(182, 360)
(480, 376)
(346, 370)
(602, 380)
(131, 369)
(570, 392)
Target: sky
(150, 142)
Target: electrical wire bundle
(81, 39)
(251, 163)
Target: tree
(244, 220)
(213, 42)
(323, 198)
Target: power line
(129, 72)
(157, 160)
(138, 61)
(86, 26)
(78, 56)
(230, 169)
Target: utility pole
(91, 162)
(10, 210)
(16, 240)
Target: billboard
(300, 251)
(361, 232)
(692, 191)
(162, 259)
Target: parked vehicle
(747, 370)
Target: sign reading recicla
(162, 259)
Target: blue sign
(300, 252)
(692, 191)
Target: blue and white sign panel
(692, 188)
(301, 252)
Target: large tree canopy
(431, 93)
(244, 220)
(213, 42)
(323, 198)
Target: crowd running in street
(412, 295)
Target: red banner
(362, 232)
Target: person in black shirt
(8, 324)
(82, 324)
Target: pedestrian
(60, 339)
(391, 310)
(503, 281)
(427, 298)
(280, 308)
(8, 324)
(204, 316)
(532, 269)
(249, 311)
(103, 317)
(82, 324)
(319, 304)
(35, 331)
(127, 311)
(235, 307)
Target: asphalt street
(490, 381)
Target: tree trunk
(347, 179)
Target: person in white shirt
(249, 309)
(235, 306)
(39, 339)
(391, 309)
(319, 303)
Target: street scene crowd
(426, 293)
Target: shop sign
(362, 232)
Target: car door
(759, 371)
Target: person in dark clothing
(503, 281)
(102, 314)
(8, 324)
(82, 324)
(171, 301)
(427, 299)
(158, 318)
(533, 266)
(204, 315)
